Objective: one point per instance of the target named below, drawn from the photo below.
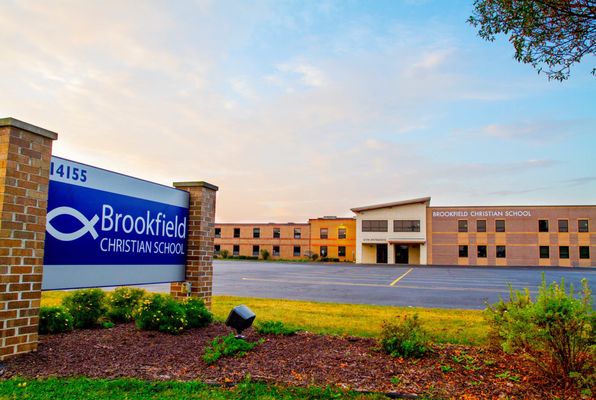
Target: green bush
(122, 302)
(314, 256)
(404, 337)
(87, 306)
(224, 253)
(265, 254)
(160, 312)
(55, 320)
(197, 314)
(227, 346)
(274, 328)
(556, 330)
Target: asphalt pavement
(415, 286)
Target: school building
(414, 233)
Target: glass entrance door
(381, 254)
(402, 254)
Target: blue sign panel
(109, 229)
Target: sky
(300, 109)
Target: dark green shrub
(160, 312)
(227, 346)
(197, 314)
(274, 328)
(314, 256)
(86, 306)
(55, 320)
(404, 337)
(556, 331)
(224, 253)
(265, 254)
(122, 302)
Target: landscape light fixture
(240, 318)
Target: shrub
(55, 320)
(556, 331)
(227, 346)
(265, 254)
(86, 306)
(224, 253)
(122, 302)
(404, 337)
(197, 315)
(314, 256)
(274, 328)
(160, 312)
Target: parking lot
(416, 286)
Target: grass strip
(444, 325)
(134, 389)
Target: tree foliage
(551, 35)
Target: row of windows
(399, 225)
(256, 233)
(582, 225)
(563, 225)
(256, 249)
(324, 233)
(501, 251)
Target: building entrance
(381, 254)
(402, 252)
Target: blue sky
(300, 109)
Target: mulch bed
(302, 359)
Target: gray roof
(394, 204)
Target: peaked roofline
(394, 204)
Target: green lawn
(133, 389)
(445, 326)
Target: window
(236, 232)
(563, 251)
(406, 225)
(296, 251)
(217, 232)
(462, 225)
(482, 251)
(543, 225)
(236, 250)
(563, 225)
(297, 234)
(369, 225)
(341, 251)
(255, 250)
(501, 252)
(276, 234)
(323, 251)
(544, 252)
(582, 225)
(481, 225)
(275, 251)
(584, 251)
(463, 251)
(341, 233)
(500, 225)
(256, 233)
(324, 233)
(216, 249)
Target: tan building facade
(412, 232)
(330, 238)
(287, 241)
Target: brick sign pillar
(25, 152)
(201, 232)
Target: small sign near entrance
(109, 229)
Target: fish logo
(88, 225)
